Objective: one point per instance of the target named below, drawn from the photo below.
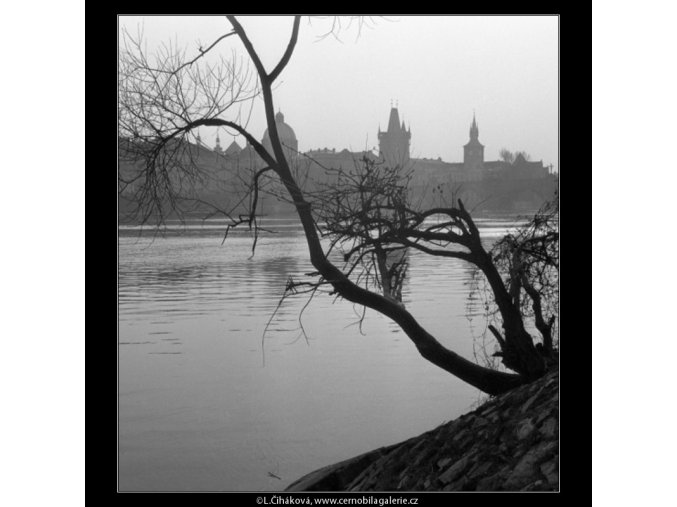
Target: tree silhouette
(165, 98)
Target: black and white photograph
(318, 259)
(338, 253)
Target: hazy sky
(438, 68)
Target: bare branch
(288, 52)
(249, 47)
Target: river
(208, 402)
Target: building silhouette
(473, 151)
(483, 185)
(287, 136)
(490, 185)
(394, 142)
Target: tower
(217, 147)
(473, 151)
(394, 143)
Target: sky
(438, 70)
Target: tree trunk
(519, 352)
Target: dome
(286, 133)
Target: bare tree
(528, 261)
(506, 155)
(510, 157)
(368, 209)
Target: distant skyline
(437, 69)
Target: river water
(208, 402)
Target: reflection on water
(198, 410)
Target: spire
(473, 151)
(474, 131)
(394, 121)
(217, 147)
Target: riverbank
(510, 443)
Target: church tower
(217, 147)
(394, 143)
(473, 151)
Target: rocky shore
(511, 443)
